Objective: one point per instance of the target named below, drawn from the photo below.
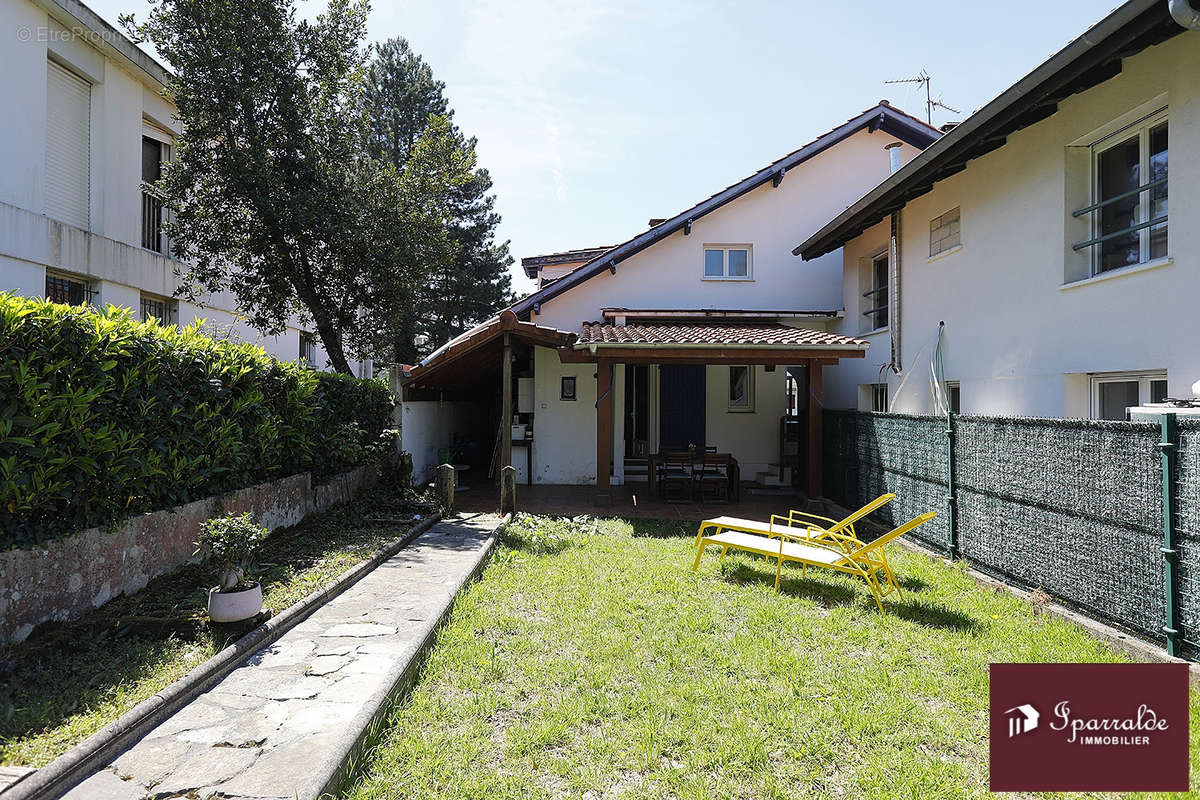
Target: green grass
(589, 661)
(68, 681)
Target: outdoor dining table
(732, 471)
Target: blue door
(681, 406)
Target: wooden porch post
(604, 427)
(506, 405)
(814, 427)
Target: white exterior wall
(426, 426)
(669, 275)
(109, 253)
(1022, 332)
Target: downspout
(894, 293)
(1183, 13)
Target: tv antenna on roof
(931, 103)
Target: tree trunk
(333, 344)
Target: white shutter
(68, 146)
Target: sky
(594, 117)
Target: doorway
(637, 411)
(681, 405)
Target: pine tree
(403, 99)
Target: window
(877, 296)
(1129, 196)
(567, 388)
(68, 146)
(159, 308)
(727, 262)
(954, 396)
(68, 290)
(154, 154)
(308, 349)
(1114, 392)
(879, 397)
(944, 232)
(741, 388)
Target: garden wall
(1072, 506)
(64, 578)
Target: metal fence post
(1170, 448)
(951, 489)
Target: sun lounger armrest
(794, 513)
(787, 524)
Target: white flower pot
(234, 606)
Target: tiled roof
(668, 334)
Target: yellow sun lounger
(814, 526)
(843, 553)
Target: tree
(403, 101)
(273, 196)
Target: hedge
(102, 417)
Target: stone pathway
(280, 724)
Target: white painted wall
(670, 275)
(109, 254)
(425, 427)
(1021, 334)
(772, 220)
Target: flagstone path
(282, 722)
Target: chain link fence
(1074, 507)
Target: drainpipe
(894, 292)
(1183, 13)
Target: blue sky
(594, 117)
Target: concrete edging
(339, 766)
(96, 751)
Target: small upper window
(875, 299)
(1129, 196)
(567, 388)
(727, 262)
(944, 232)
(741, 388)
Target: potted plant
(229, 542)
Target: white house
(1037, 231)
(86, 130)
(701, 330)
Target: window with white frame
(308, 349)
(1113, 392)
(156, 151)
(876, 298)
(730, 262)
(741, 388)
(944, 232)
(1129, 196)
(162, 309)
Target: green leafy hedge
(102, 417)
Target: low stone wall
(63, 579)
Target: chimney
(893, 155)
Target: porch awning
(762, 343)
(461, 361)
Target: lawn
(589, 661)
(68, 681)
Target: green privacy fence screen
(1072, 506)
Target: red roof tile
(766, 335)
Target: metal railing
(152, 219)
(1116, 198)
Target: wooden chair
(675, 477)
(712, 478)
